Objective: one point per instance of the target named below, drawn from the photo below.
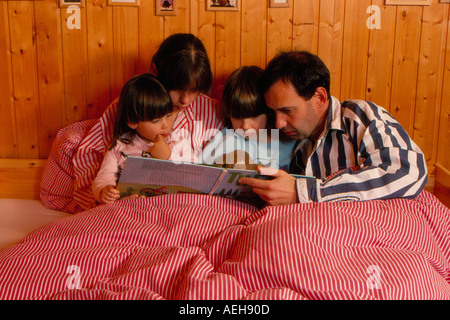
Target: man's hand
(279, 191)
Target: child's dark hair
(181, 63)
(241, 96)
(143, 98)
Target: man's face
(298, 118)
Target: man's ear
(321, 96)
(133, 125)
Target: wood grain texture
(53, 76)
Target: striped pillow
(57, 183)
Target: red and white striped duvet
(205, 247)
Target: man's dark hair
(304, 70)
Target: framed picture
(408, 2)
(222, 5)
(134, 3)
(66, 3)
(279, 3)
(166, 7)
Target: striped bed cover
(203, 247)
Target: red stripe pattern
(57, 182)
(203, 247)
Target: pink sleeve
(107, 175)
(89, 156)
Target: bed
(199, 247)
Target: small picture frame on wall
(126, 3)
(166, 7)
(66, 3)
(222, 5)
(279, 3)
(408, 2)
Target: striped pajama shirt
(363, 154)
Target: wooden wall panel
(74, 55)
(355, 46)
(24, 76)
(279, 30)
(444, 124)
(99, 53)
(253, 33)
(380, 56)
(305, 22)
(429, 84)
(228, 47)
(125, 46)
(8, 143)
(53, 76)
(149, 23)
(50, 74)
(331, 30)
(405, 67)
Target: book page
(164, 176)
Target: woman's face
(181, 99)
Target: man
(353, 150)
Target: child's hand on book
(160, 149)
(109, 194)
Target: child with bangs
(142, 128)
(250, 138)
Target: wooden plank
(148, 42)
(203, 25)
(180, 22)
(305, 25)
(8, 143)
(74, 55)
(331, 28)
(20, 178)
(49, 72)
(430, 74)
(125, 47)
(405, 67)
(355, 48)
(442, 185)
(99, 48)
(253, 33)
(279, 31)
(380, 59)
(23, 51)
(228, 47)
(443, 156)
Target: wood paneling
(21, 178)
(53, 76)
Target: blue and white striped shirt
(363, 154)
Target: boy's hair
(304, 70)
(241, 96)
(181, 63)
(143, 98)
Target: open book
(152, 177)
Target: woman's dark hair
(241, 97)
(304, 70)
(143, 98)
(181, 63)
